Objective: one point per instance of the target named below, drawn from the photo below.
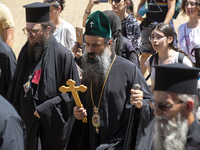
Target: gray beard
(38, 48)
(95, 69)
(171, 136)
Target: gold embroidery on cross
(72, 88)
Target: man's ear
(48, 29)
(110, 42)
(189, 106)
(59, 9)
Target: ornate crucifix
(72, 88)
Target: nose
(90, 49)
(29, 34)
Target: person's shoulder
(67, 25)
(7, 110)
(4, 9)
(127, 44)
(5, 49)
(182, 26)
(132, 19)
(124, 63)
(62, 50)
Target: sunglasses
(162, 106)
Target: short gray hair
(186, 97)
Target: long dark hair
(168, 31)
(56, 3)
(130, 7)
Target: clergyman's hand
(36, 114)
(79, 113)
(136, 98)
(77, 50)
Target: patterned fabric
(131, 30)
(157, 10)
(189, 40)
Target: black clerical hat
(37, 12)
(176, 78)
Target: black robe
(7, 67)
(193, 136)
(115, 110)
(55, 67)
(12, 129)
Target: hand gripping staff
(130, 122)
(72, 88)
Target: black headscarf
(115, 24)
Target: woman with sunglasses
(124, 10)
(161, 38)
(189, 32)
(64, 33)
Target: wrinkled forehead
(93, 39)
(165, 97)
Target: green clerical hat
(98, 24)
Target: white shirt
(192, 39)
(65, 34)
(174, 59)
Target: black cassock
(193, 136)
(7, 67)
(54, 68)
(115, 110)
(12, 129)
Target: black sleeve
(12, 134)
(132, 54)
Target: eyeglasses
(158, 38)
(164, 107)
(32, 31)
(191, 4)
(116, 1)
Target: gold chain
(102, 86)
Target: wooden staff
(130, 123)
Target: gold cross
(72, 88)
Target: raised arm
(88, 9)
(171, 9)
(138, 16)
(9, 36)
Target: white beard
(171, 135)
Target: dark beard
(170, 135)
(95, 69)
(37, 48)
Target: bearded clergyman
(43, 66)
(176, 102)
(110, 80)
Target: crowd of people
(118, 52)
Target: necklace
(96, 114)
